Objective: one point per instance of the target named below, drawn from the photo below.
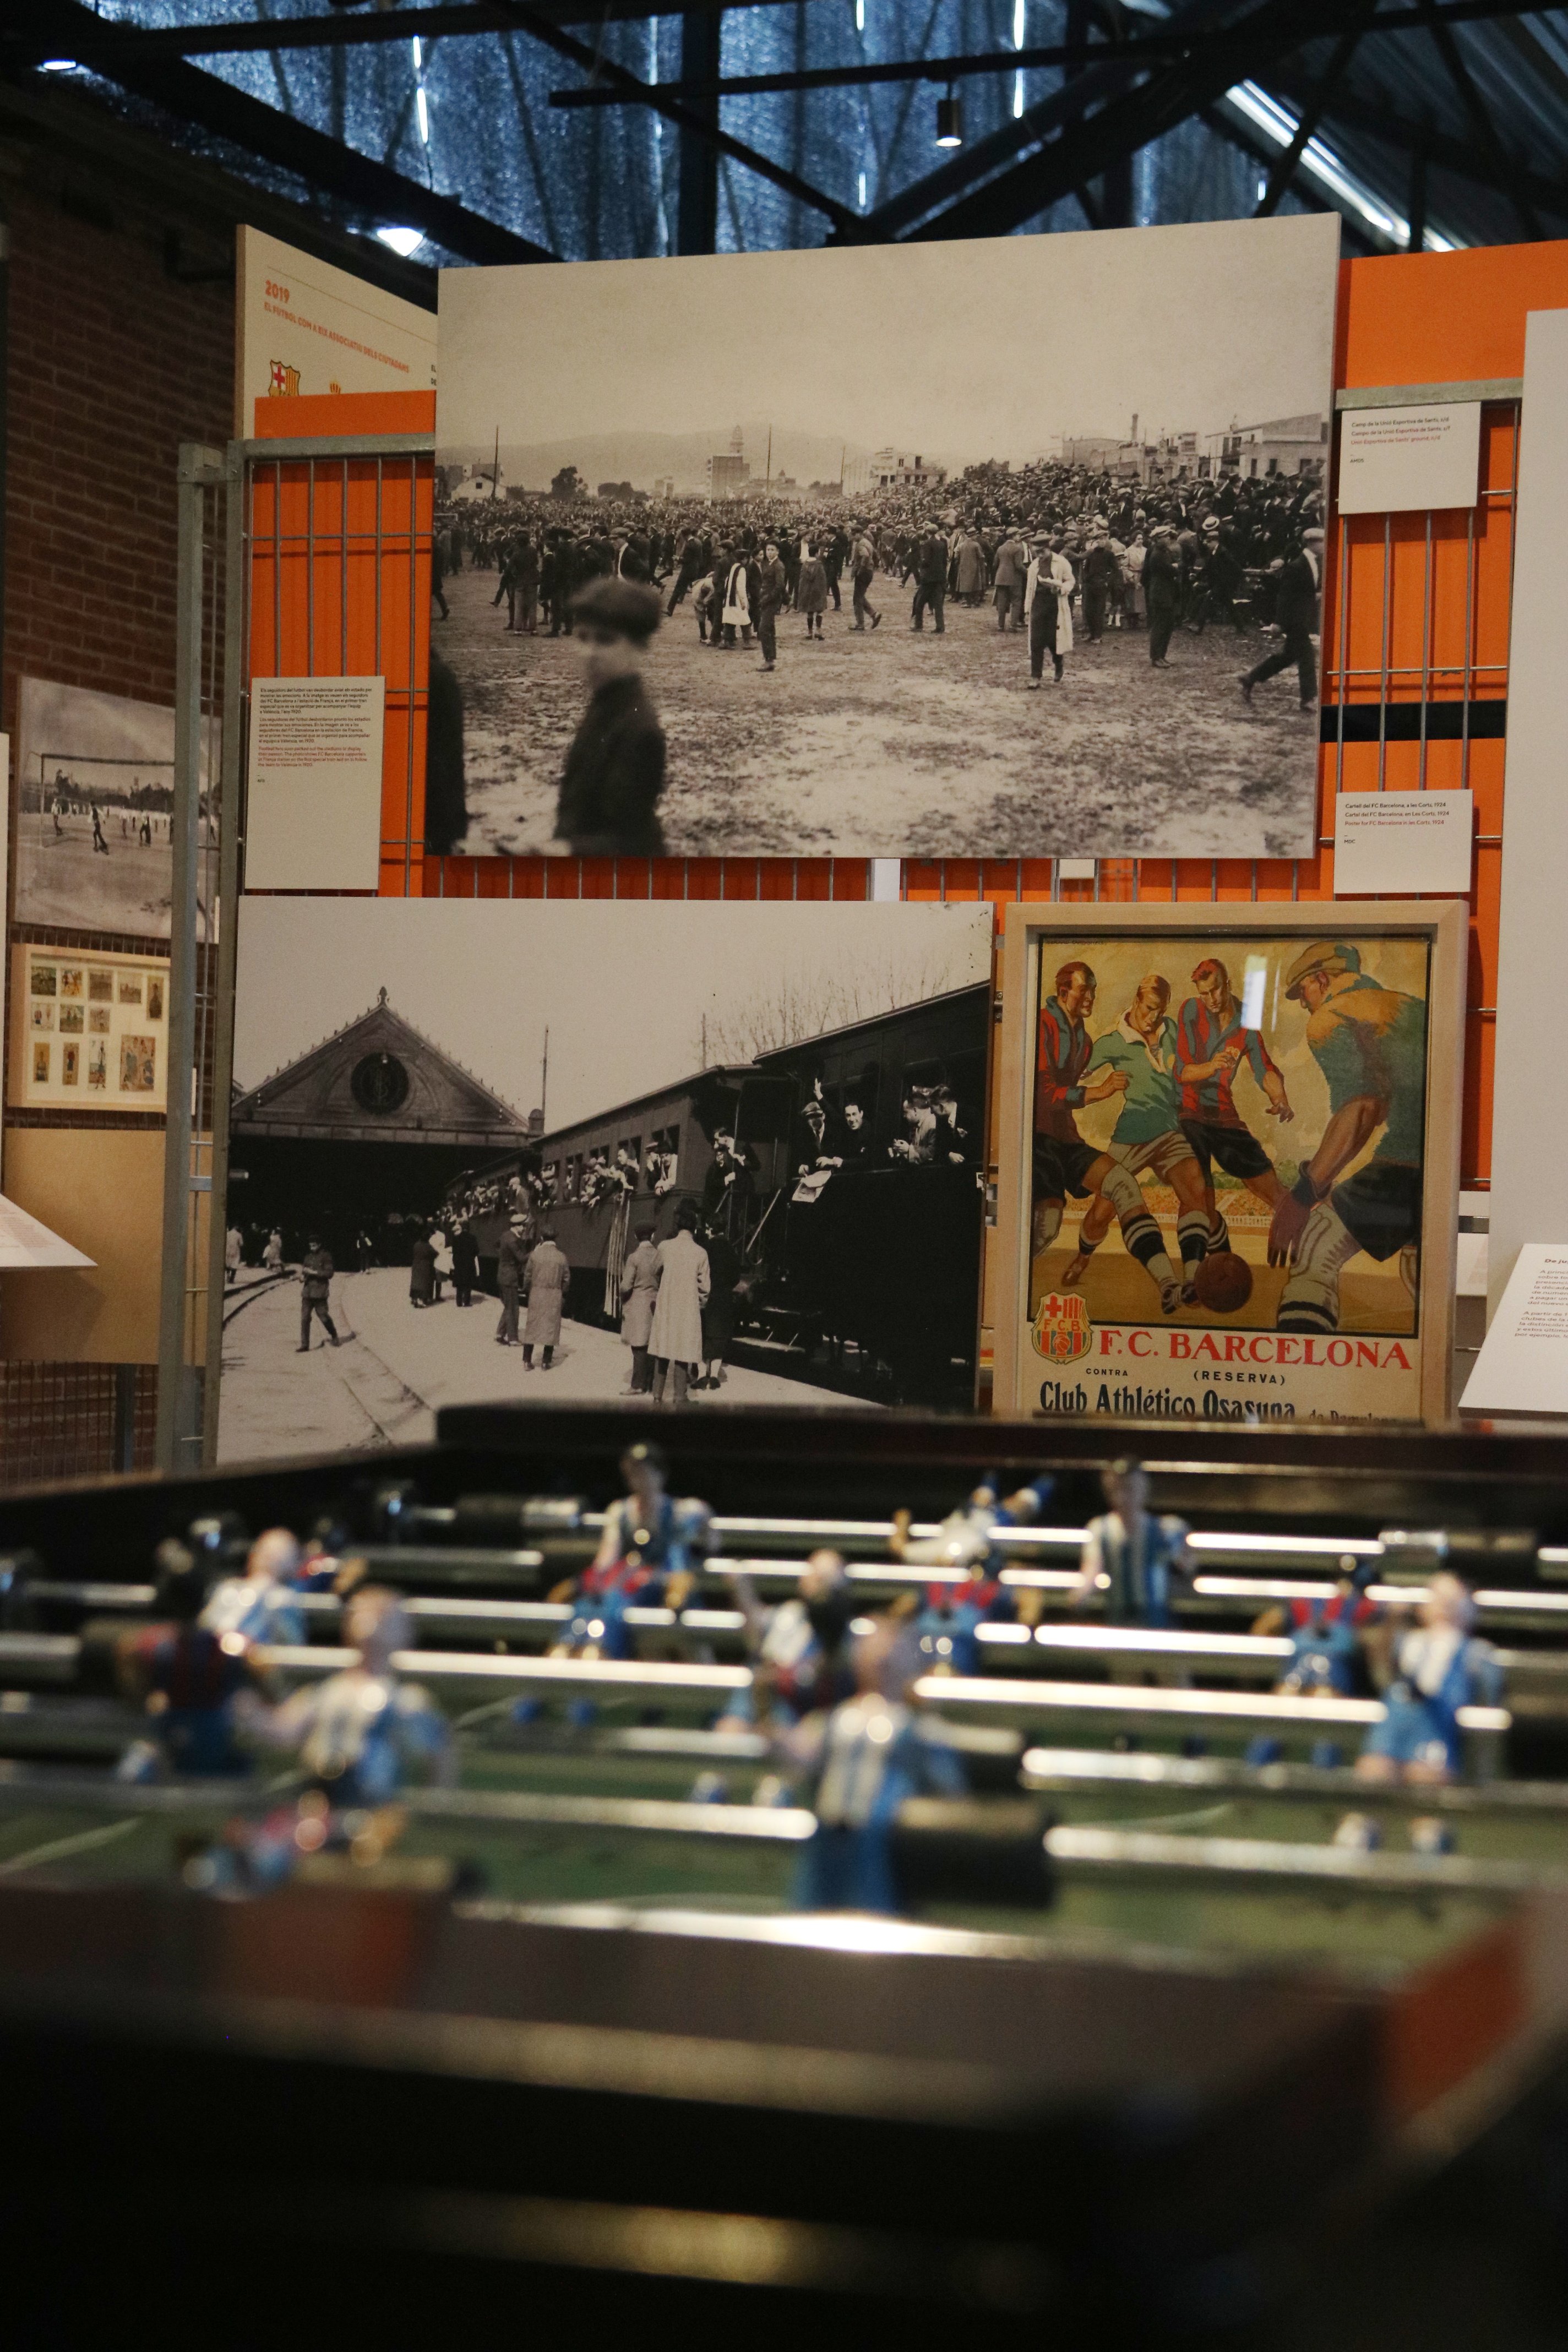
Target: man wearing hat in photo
(1101, 574)
(770, 602)
(1162, 591)
(1370, 1043)
(614, 770)
(1296, 617)
(1048, 610)
(511, 1260)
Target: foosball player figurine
(649, 1556)
(1438, 1668)
(796, 1646)
(358, 1732)
(1129, 1556)
(1326, 1650)
(263, 1603)
(859, 1763)
(947, 1622)
(200, 1689)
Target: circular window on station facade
(380, 1083)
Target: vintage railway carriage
(846, 1170)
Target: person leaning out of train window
(854, 1145)
(610, 789)
(950, 1141)
(818, 1137)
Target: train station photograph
(493, 1126)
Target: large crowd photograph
(1010, 548)
(468, 1162)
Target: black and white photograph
(1005, 548)
(95, 800)
(469, 1159)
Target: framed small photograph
(70, 980)
(73, 1018)
(100, 985)
(1228, 1152)
(40, 1065)
(70, 1061)
(98, 1019)
(130, 988)
(97, 1065)
(44, 982)
(154, 999)
(138, 1064)
(41, 1014)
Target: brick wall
(113, 362)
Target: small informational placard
(314, 806)
(1393, 844)
(1523, 1364)
(91, 1030)
(1393, 461)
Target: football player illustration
(1370, 1043)
(1211, 1046)
(1063, 1161)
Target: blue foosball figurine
(858, 1763)
(649, 1556)
(202, 1695)
(969, 1592)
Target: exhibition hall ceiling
(622, 131)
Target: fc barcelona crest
(285, 383)
(1062, 1331)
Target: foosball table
(785, 1875)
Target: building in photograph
(1287, 445)
(728, 475)
(361, 1133)
(894, 469)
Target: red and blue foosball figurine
(199, 1689)
(1326, 1633)
(796, 1647)
(970, 1592)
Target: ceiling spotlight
(404, 241)
(57, 65)
(950, 119)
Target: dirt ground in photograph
(61, 878)
(889, 743)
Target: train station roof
(377, 1080)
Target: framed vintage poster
(90, 1030)
(1228, 1160)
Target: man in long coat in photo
(675, 1341)
(511, 1260)
(545, 1278)
(639, 1289)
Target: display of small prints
(115, 1011)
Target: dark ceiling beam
(1135, 119)
(1251, 143)
(1372, 117)
(1283, 169)
(525, 17)
(352, 30)
(1475, 106)
(1066, 54)
(280, 139)
(339, 31)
